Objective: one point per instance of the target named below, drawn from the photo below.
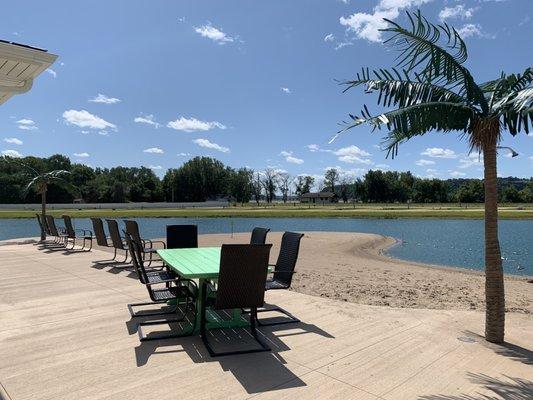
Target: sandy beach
(351, 267)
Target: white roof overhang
(19, 66)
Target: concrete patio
(65, 333)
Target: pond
(434, 241)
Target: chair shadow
(256, 372)
(506, 349)
(510, 389)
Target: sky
(251, 83)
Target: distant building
(319, 198)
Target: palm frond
(417, 119)
(507, 87)
(419, 47)
(397, 89)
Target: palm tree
(40, 182)
(432, 90)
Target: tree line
(205, 178)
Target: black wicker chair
(116, 239)
(174, 289)
(86, 235)
(259, 235)
(283, 272)
(182, 236)
(59, 236)
(132, 228)
(241, 284)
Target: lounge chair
(283, 272)
(241, 284)
(259, 235)
(86, 235)
(175, 289)
(182, 236)
(116, 239)
(132, 228)
(60, 237)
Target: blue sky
(251, 83)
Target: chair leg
(152, 313)
(144, 338)
(291, 318)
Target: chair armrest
(159, 241)
(284, 272)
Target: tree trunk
(494, 286)
(43, 214)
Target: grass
(297, 211)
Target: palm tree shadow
(506, 349)
(509, 389)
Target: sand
(351, 267)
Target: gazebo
(19, 66)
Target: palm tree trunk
(43, 213)
(494, 286)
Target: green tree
(331, 177)
(240, 186)
(434, 91)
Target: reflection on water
(445, 242)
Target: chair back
(288, 255)
(132, 228)
(242, 275)
(259, 235)
(182, 236)
(68, 227)
(99, 232)
(112, 226)
(136, 257)
(51, 225)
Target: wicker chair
(241, 284)
(86, 235)
(175, 289)
(132, 228)
(116, 239)
(182, 236)
(283, 272)
(259, 235)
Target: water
(434, 241)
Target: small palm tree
(432, 90)
(40, 182)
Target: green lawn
(290, 211)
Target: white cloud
(51, 72)
(313, 148)
(469, 30)
(329, 37)
(457, 174)
(353, 154)
(85, 119)
(11, 153)
(194, 125)
(147, 119)
(81, 155)
(382, 167)
(437, 152)
(13, 140)
(210, 145)
(27, 124)
(103, 133)
(153, 150)
(155, 167)
(459, 11)
(530, 158)
(367, 26)
(216, 35)
(184, 154)
(290, 158)
(470, 161)
(285, 90)
(423, 163)
(102, 98)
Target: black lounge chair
(182, 236)
(86, 235)
(132, 228)
(116, 240)
(60, 238)
(175, 289)
(241, 284)
(259, 235)
(283, 272)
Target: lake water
(434, 241)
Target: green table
(201, 263)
